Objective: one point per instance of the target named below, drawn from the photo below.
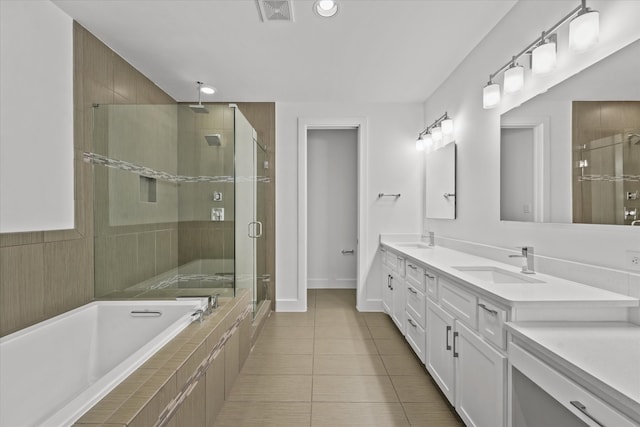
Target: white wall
(393, 167)
(477, 134)
(36, 120)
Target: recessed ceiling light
(207, 90)
(325, 8)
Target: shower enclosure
(606, 159)
(178, 201)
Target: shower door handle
(249, 231)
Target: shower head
(199, 108)
(214, 140)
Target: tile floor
(333, 366)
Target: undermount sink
(497, 275)
(415, 245)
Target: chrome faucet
(431, 237)
(214, 301)
(199, 314)
(635, 222)
(527, 253)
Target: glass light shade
(436, 133)
(207, 90)
(447, 126)
(543, 58)
(428, 140)
(490, 95)
(420, 144)
(513, 79)
(584, 31)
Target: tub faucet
(199, 314)
(527, 254)
(214, 301)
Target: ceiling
(372, 51)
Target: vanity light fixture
(584, 24)
(434, 132)
(543, 57)
(325, 8)
(513, 78)
(490, 95)
(584, 29)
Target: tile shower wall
(43, 274)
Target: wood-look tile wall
(43, 274)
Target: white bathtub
(53, 372)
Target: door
(440, 362)
(248, 229)
(332, 208)
(480, 378)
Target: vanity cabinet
(393, 287)
(439, 360)
(465, 337)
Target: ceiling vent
(275, 10)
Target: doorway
(332, 208)
(358, 125)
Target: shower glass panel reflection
(167, 214)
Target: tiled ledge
(141, 399)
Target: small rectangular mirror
(441, 183)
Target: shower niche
(162, 228)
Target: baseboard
(290, 305)
(370, 305)
(331, 284)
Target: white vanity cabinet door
(387, 293)
(416, 337)
(431, 284)
(416, 304)
(415, 276)
(398, 287)
(439, 348)
(491, 320)
(480, 380)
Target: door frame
(541, 161)
(304, 125)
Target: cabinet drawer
(462, 304)
(491, 320)
(390, 259)
(416, 304)
(415, 275)
(416, 337)
(431, 284)
(566, 392)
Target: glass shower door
(248, 228)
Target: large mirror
(572, 154)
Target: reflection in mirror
(441, 183)
(570, 155)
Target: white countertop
(553, 292)
(603, 357)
